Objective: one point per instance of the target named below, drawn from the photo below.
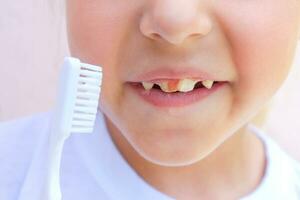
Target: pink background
(33, 45)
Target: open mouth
(170, 96)
(176, 86)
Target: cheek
(96, 33)
(263, 38)
(92, 31)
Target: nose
(175, 21)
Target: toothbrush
(75, 112)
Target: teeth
(164, 86)
(186, 85)
(147, 85)
(208, 83)
(183, 85)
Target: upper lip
(163, 73)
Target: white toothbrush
(75, 112)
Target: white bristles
(93, 74)
(91, 67)
(88, 95)
(87, 102)
(89, 88)
(81, 116)
(89, 80)
(80, 92)
(85, 109)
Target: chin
(174, 157)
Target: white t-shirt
(92, 168)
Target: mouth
(171, 85)
(174, 86)
(174, 92)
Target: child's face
(249, 44)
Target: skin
(202, 150)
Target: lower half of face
(251, 51)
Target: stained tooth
(164, 86)
(147, 85)
(208, 83)
(186, 85)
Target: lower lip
(162, 99)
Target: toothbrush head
(79, 92)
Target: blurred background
(33, 45)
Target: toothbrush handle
(45, 169)
(54, 154)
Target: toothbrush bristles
(91, 67)
(89, 88)
(81, 116)
(86, 102)
(87, 95)
(89, 80)
(85, 109)
(87, 98)
(93, 74)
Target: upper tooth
(183, 85)
(148, 85)
(165, 87)
(208, 83)
(186, 85)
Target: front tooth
(208, 83)
(186, 85)
(147, 85)
(164, 86)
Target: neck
(240, 159)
